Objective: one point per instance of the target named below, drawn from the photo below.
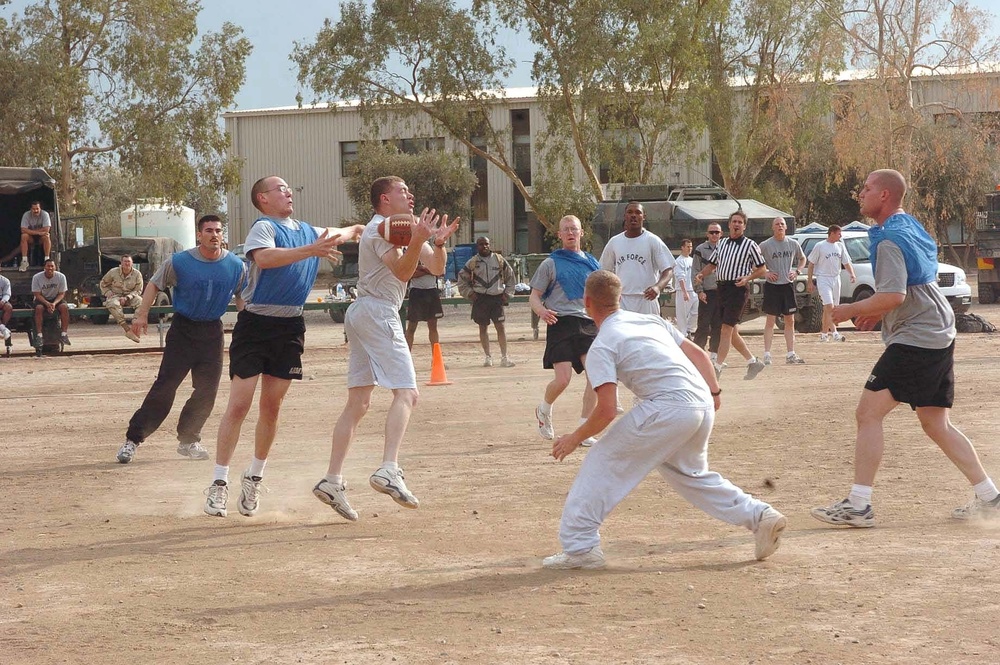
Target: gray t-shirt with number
(925, 318)
(780, 256)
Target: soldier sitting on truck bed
(35, 226)
(49, 287)
(122, 287)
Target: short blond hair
(604, 289)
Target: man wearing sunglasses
(709, 315)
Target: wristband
(716, 394)
(441, 244)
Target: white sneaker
(127, 451)
(544, 424)
(5, 331)
(249, 494)
(335, 497)
(794, 359)
(837, 337)
(391, 482)
(588, 442)
(218, 494)
(589, 560)
(823, 337)
(24, 264)
(488, 362)
(767, 358)
(193, 450)
(506, 362)
(768, 534)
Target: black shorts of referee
(732, 301)
(568, 340)
(424, 305)
(779, 299)
(916, 376)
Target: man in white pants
(685, 299)
(642, 262)
(825, 261)
(667, 430)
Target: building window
(413, 146)
(348, 154)
(481, 194)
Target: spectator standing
(685, 299)
(825, 262)
(424, 305)
(122, 287)
(709, 315)
(488, 281)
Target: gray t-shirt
(375, 278)
(780, 256)
(39, 221)
(557, 301)
(49, 287)
(925, 318)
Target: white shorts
(379, 355)
(639, 304)
(829, 289)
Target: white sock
(767, 354)
(545, 408)
(860, 496)
(334, 478)
(221, 473)
(257, 467)
(391, 466)
(752, 360)
(789, 354)
(986, 490)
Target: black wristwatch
(717, 393)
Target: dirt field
(112, 564)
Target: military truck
(675, 212)
(77, 246)
(988, 249)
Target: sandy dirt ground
(113, 564)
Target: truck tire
(337, 315)
(810, 319)
(162, 300)
(987, 294)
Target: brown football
(397, 229)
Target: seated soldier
(5, 309)
(122, 287)
(49, 287)
(35, 226)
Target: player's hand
(651, 292)
(853, 278)
(703, 297)
(867, 322)
(140, 324)
(445, 230)
(742, 281)
(686, 297)
(563, 446)
(773, 276)
(549, 317)
(698, 278)
(810, 286)
(324, 246)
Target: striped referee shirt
(735, 258)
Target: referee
(737, 260)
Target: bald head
(601, 294)
(893, 182)
(882, 194)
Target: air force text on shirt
(638, 258)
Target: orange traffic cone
(438, 376)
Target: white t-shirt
(643, 353)
(828, 258)
(682, 273)
(375, 279)
(637, 261)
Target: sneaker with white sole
(5, 331)
(24, 264)
(218, 494)
(977, 509)
(388, 481)
(767, 537)
(794, 359)
(544, 424)
(64, 338)
(754, 367)
(335, 497)
(488, 362)
(592, 559)
(249, 494)
(193, 450)
(767, 358)
(843, 513)
(588, 442)
(823, 337)
(506, 362)
(837, 337)
(127, 451)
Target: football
(397, 229)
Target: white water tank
(156, 217)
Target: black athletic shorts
(487, 308)
(779, 299)
(424, 305)
(270, 345)
(916, 376)
(732, 302)
(567, 340)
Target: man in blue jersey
(269, 336)
(204, 280)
